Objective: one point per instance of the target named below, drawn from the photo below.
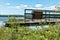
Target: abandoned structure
(35, 16)
(43, 15)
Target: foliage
(24, 33)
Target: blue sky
(16, 7)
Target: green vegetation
(17, 32)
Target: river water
(3, 19)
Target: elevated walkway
(34, 22)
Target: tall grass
(17, 32)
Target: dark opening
(37, 15)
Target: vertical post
(45, 16)
(32, 15)
(25, 15)
(49, 16)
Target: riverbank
(41, 32)
(16, 32)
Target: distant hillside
(11, 15)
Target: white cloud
(25, 5)
(50, 8)
(19, 6)
(7, 3)
(53, 7)
(14, 7)
(38, 5)
(10, 7)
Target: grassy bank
(17, 32)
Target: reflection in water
(38, 27)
